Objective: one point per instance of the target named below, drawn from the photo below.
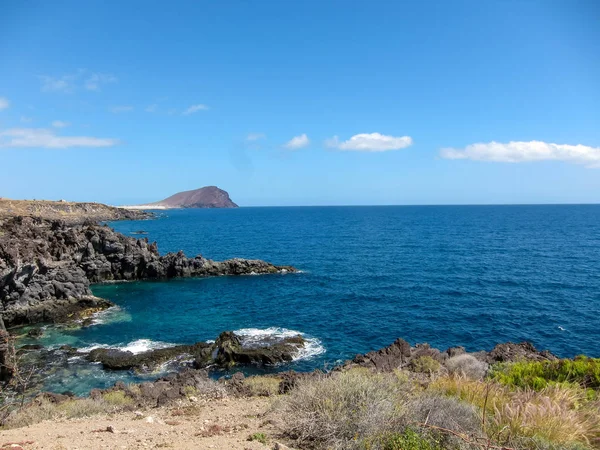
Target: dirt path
(218, 424)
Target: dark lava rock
(510, 352)
(35, 333)
(115, 359)
(230, 350)
(31, 347)
(389, 358)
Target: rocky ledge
(47, 266)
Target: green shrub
(408, 440)
(117, 398)
(538, 375)
(425, 364)
(263, 386)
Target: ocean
(447, 275)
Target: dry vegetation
(460, 409)
(463, 404)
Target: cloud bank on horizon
(520, 151)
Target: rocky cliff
(47, 266)
(71, 212)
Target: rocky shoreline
(47, 266)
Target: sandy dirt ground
(218, 424)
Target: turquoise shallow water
(455, 275)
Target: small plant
(425, 364)
(190, 391)
(258, 437)
(407, 440)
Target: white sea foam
(135, 347)
(114, 314)
(256, 337)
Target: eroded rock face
(47, 266)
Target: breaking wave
(256, 337)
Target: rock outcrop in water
(47, 266)
(227, 351)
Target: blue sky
(301, 102)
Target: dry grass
(561, 415)
(43, 409)
(556, 414)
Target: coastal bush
(117, 398)
(425, 364)
(341, 410)
(365, 410)
(467, 366)
(263, 386)
(538, 375)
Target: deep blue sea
(448, 275)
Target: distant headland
(205, 197)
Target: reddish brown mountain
(206, 197)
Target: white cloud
(82, 78)
(151, 108)
(65, 83)
(25, 119)
(95, 80)
(60, 124)
(4, 103)
(121, 109)
(297, 142)
(255, 137)
(43, 138)
(370, 142)
(194, 108)
(519, 151)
